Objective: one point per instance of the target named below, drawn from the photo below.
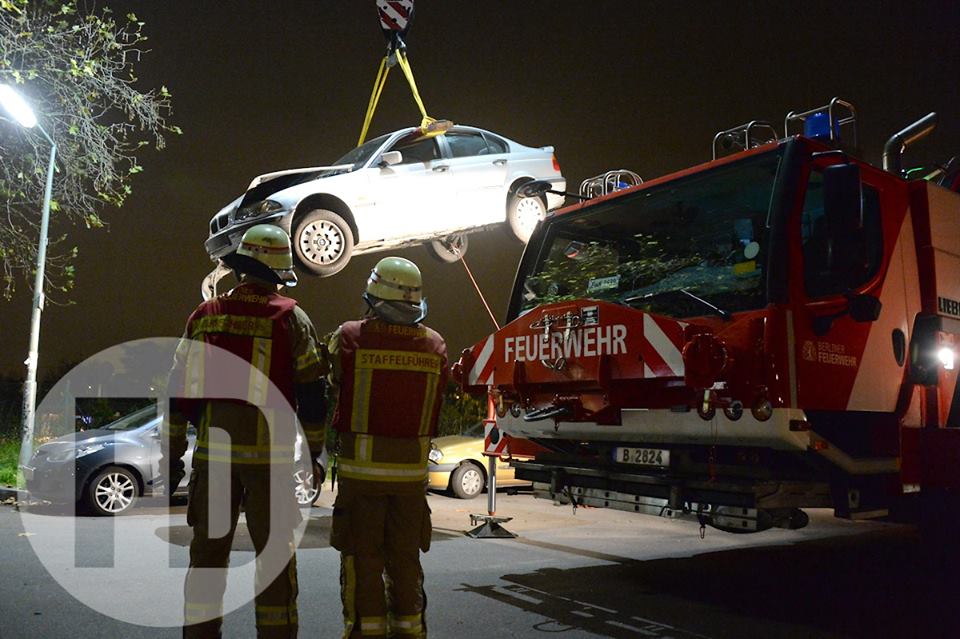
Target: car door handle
(500, 162)
(441, 168)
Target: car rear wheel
(523, 214)
(449, 249)
(307, 488)
(114, 490)
(467, 481)
(322, 242)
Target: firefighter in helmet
(391, 372)
(242, 454)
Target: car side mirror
(390, 158)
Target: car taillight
(556, 165)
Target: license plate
(642, 456)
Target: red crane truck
(775, 329)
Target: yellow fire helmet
(270, 246)
(395, 279)
(394, 291)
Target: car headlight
(435, 454)
(256, 210)
(86, 450)
(61, 455)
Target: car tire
(307, 489)
(112, 491)
(466, 481)
(449, 249)
(523, 214)
(322, 242)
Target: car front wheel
(467, 481)
(523, 214)
(322, 242)
(113, 491)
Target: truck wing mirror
(865, 308)
(923, 369)
(389, 158)
(841, 197)
(860, 308)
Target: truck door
(843, 364)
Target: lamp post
(17, 107)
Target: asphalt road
(595, 573)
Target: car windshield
(134, 420)
(359, 156)
(474, 430)
(660, 249)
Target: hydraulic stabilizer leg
(491, 527)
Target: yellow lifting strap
(380, 82)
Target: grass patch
(9, 460)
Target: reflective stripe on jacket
(377, 458)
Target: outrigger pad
(491, 528)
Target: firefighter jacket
(278, 347)
(391, 380)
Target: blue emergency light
(817, 127)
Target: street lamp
(19, 110)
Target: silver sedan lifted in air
(399, 189)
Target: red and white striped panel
(490, 448)
(661, 346)
(658, 341)
(394, 14)
(481, 374)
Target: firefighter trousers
(380, 534)
(276, 602)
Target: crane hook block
(396, 16)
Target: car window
(474, 430)
(495, 144)
(423, 150)
(135, 419)
(834, 265)
(468, 144)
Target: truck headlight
(256, 210)
(947, 357)
(435, 454)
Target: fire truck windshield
(667, 249)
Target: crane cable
(479, 293)
(395, 56)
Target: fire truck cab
(775, 329)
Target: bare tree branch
(75, 64)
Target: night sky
(263, 86)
